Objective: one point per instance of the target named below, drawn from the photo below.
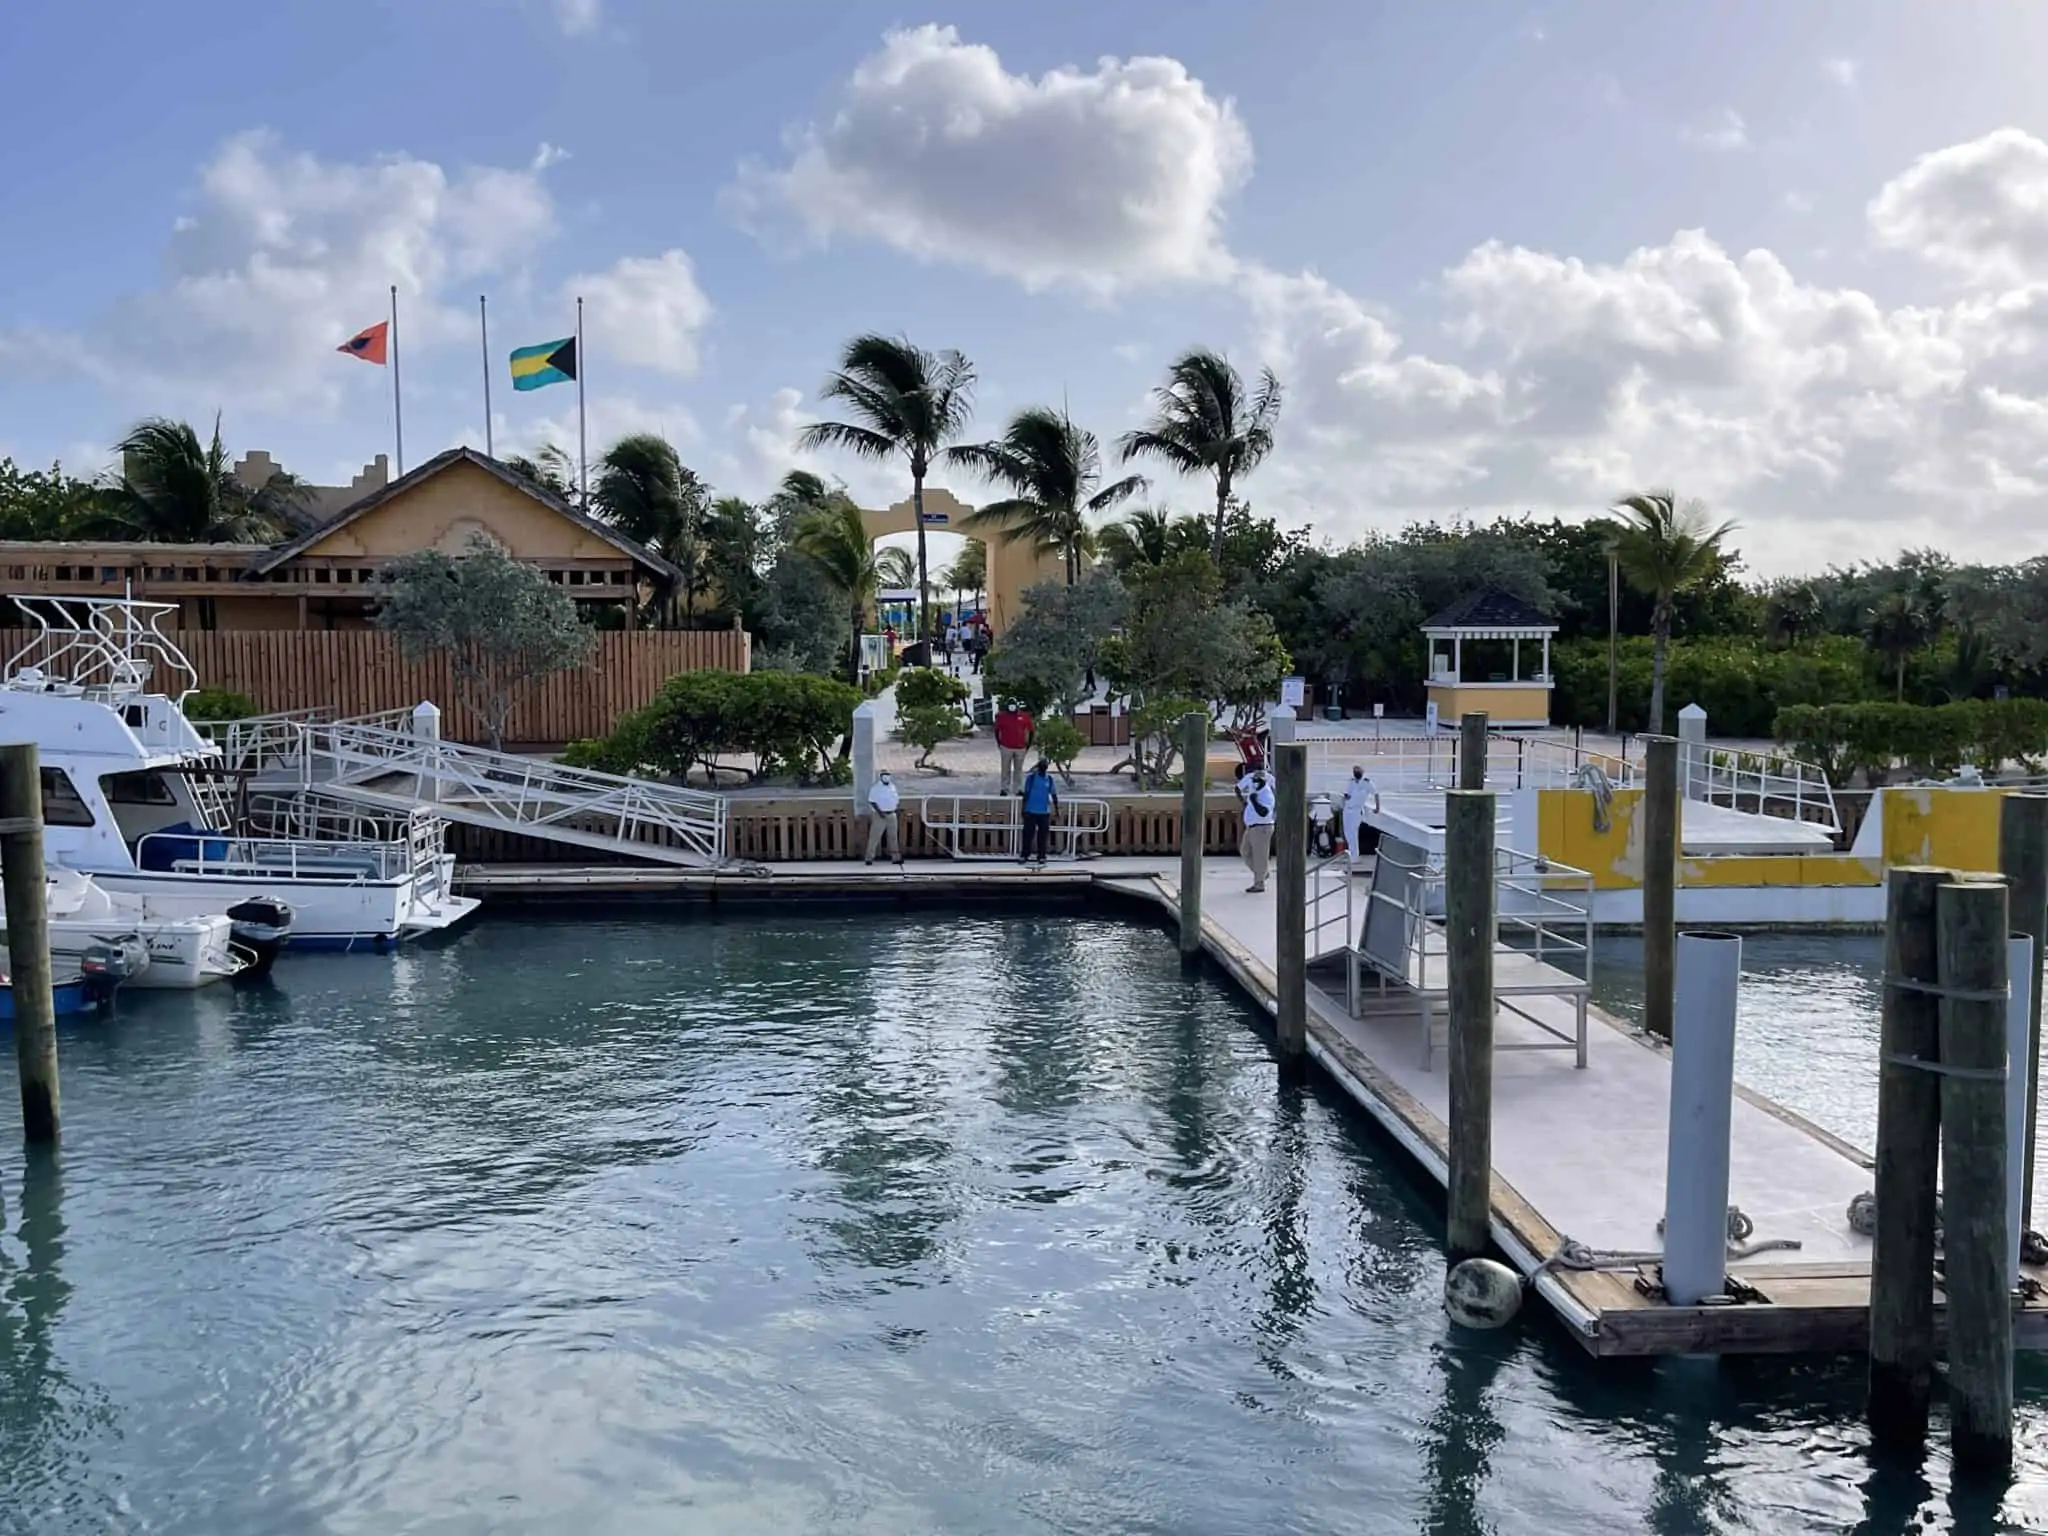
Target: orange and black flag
(368, 343)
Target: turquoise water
(897, 1222)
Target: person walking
(1014, 726)
(1257, 790)
(1041, 798)
(883, 823)
(1359, 798)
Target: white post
(2020, 974)
(1458, 658)
(1546, 658)
(1279, 727)
(1515, 665)
(426, 726)
(1694, 777)
(1709, 973)
(863, 755)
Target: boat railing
(106, 645)
(313, 815)
(1765, 783)
(992, 826)
(277, 858)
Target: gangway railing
(992, 826)
(1543, 941)
(320, 816)
(1765, 783)
(1410, 764)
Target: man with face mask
(1258, 825)
(883, 799)
(1359, 798)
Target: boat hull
(336, 914)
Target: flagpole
(397, 409)
(483, 320)
(582, 430)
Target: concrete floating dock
(1578, 1153)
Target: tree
(738, 550)
(174, 489)
(1664, 549)
(36, 505)
(928, 710)
(969, 572)
(1791, 611)
(646, 491)
(1148, 536)
(1897, 626)
(831, 534)
(1053, 471)
(904, 400)
(550, 469)
(1206, 424)
(501, 624)
(1045, 656)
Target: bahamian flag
(552, 362)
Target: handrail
(1767, 783)
(283, 858)
(1067, 829)
(1406, 763)
(104, 644)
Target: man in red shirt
(1013, 738)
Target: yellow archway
(1012, 564)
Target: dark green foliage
(789, 722)
(1926, 741)
(928, 709)
(219, 704)
(1059, 742)
(1742, 683)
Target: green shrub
(1155, 736)
(878, 682)
(929, 688)
(1059, 742)
(1927, 741)
(788, 721)
(219, 704)
(1742, 683)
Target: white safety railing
(992, 826)
(519, 794)
(271, 746)
(102, 645)
(1764, 783)
(1330, 907)
(1543, 940)
(274, 858)
(318, 816)
(1409, 764)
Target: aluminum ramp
(397, 762)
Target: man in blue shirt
(1040, 800)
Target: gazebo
(1484, 632)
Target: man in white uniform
(1359, 797)
(883, 799)
(1257, 790)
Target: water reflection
(1462, 1433)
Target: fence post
(1971, 948)
(28, 939)
(1194, 817)
(1908, 1151)
(1290, 904)
(426, 726)
(1472, 750)
(1693, 779)
(1660, 882)
(1469, 939)
(2023, 860)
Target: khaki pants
(1258, 852)
(883, 828)
(1013, 769)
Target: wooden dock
(1578, 1153)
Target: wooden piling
(1472, 750)
(2023, 860)
(1194, 816)
(1908, 1154)
(1469, 938)
(1971, 954)
(1660, 882)
(28, 938)
(1290, 904)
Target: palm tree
(1663, 549)
(831, 533)
(550, 469)
(1053, 470)
(969, 571)
(1148, 536)
(1792, 611)
(1206, 424)
(1896, 626)
(645, 491)
(904, 400)
(173, 489)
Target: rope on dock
(1592, 776)
(1575, 1255)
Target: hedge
(1741, 683)
(787, 721)
(1928, 741)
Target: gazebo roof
(1490, 613)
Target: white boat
(136, 797)
(183, 952)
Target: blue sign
(934, 519)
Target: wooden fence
(360, 672)
(817, 827)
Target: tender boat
(101, 972)
(182, 952)
(137, 798)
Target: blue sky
(1793, 259)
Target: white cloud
(645, 312)
(578, 17)
(287, 255)
(1722, 133)
(1099, 179)
(1980, 208)
(546, 156)
(1843, 72)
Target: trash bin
(1332, 712)
(1101, 728)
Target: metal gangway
(396, 762)
(991, 827)
(1414, 764)
(1543, 943)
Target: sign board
(1379, 711)
(1429, 718)
(1292, 691)
(934, 519)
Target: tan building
(323, 579)
(1477, 660)
(1013, 565)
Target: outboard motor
(1322, 827)
(104, 965)
(262, 924)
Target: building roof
(1490, 609)
(640, 554)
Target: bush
(1155, 737)
(1928, 741)
(219, 704)
(878, 682)
(1742, 684)
(1059, 742)
(788, 721)
(929, 688)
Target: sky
(1789, 259)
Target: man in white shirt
(1257, 842)
(883, 799)
(1359, 798)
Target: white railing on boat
(316, 815)
(108, 646)
(992, 826)
(198, 853)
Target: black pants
(1037, 833)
